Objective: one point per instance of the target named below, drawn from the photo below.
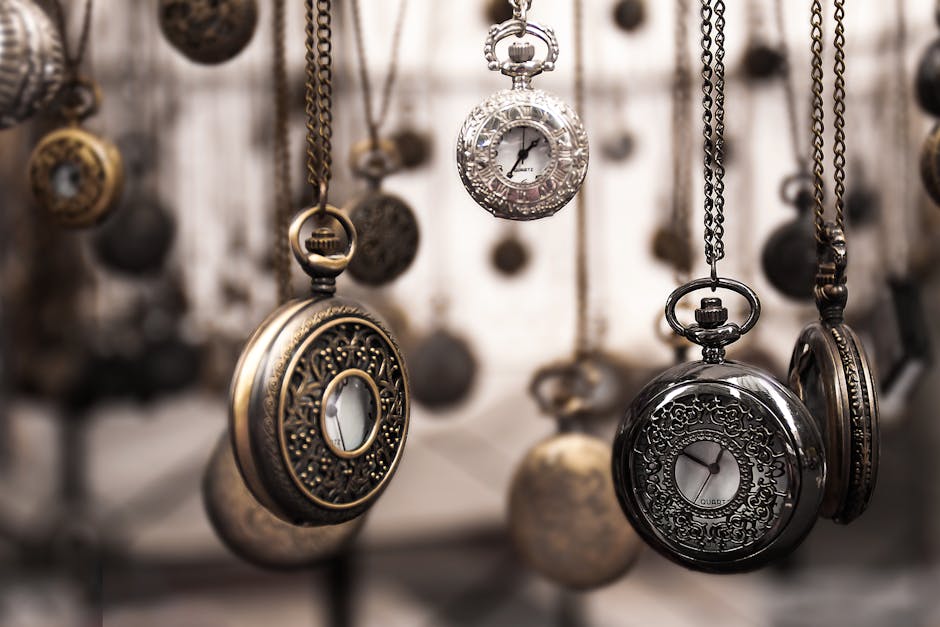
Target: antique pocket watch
(830, 372)
(208, 31)
(319, 401)
(718, 466)
(522, 153)
(75, 175)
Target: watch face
(523, 155)
(719, 473)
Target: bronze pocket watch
(208, 31)
(319, 401)
(253, 533)
(75, 175)
(32, 62)
(522, 154)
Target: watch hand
(702, 489)
(521, 157)
(695, 459)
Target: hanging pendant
(443, 369)
(830, 372)
(719, 467)
(138, 239)
(413, 146)
(254, 534)
(593, 385)
(522, 153)
(319, 401)
(386, 226)
(510, 255)
(75, 175)
(208, 31)
(31, 61)
(789, 256)
(563, 514)
(629, 15)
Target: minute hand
(523, 154)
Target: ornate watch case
(522, 153)
(563, 514)
(31, 61)
(830, 372)
(208, 31)
(319, 403)
(253, 533)
(719, 467)
(75, 175)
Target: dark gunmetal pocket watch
(789, 255)
(719, 467)
(386, 226)
(208, 31)
(256, 535)
(319, 402)
(522, 154)
(830, 372)
(75, 175)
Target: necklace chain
(581, 256)
(282, 178)
(375, 119)
(318, 96)
(799, 155)
(713, 129)
(74, 61)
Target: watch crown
(323, 241)
(521, 51)
(711, 314)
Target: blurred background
(113, 385)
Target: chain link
(520, 9)
(73, 61)
(318, 96)
(375, 120)
(713, 128)
(838, 110)
(282, 177)
(816, 74)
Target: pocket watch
(789, 256)
(522, 153)
(208, 31)
(509, 255)
(592, 385)
(629, 15)
(830, 372)
(319, 402)
(32, 63)
(254, 534)
(75, 175)
(563, 514)
(386, 227)
(719, 467)
(443, 369)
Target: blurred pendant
(443, 369)
(629, 15)
(789, 255)
(510, 255)
(208, 31)
(138, 239)
(254, 534)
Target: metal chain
(682, 139)
(282, 177)
(319, 96)
(816, 74)
(520, 9)
(376, 120)
(897, 227)
(789, 90)
(582, 342)
(713, 119)
(73, 61)
(838, 110)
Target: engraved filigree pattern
(386, 238)
(93, 190)
(316, 469)
(479, 139)
(209, 31)
(742, 428)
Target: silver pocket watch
(522, 153)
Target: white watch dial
(523, 155)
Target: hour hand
(695, 459)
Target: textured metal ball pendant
(762, 62)
(388, 237)
(789, 259)
(443, 369)
(208, 31)
(930, 164)
(629, 15)
(510, 255)
(31, 61)
(137, 240)
(719, 467)
(319, 402)
(76, 176)
(413, 146)
(563, 513)
(254, 534)
(927, 85)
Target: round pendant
(762, 62)
(594, 385)
(930, 164)
(522, 153)
(619, 146)
(254, 534)
(563, 514)
(75, 176)
(208, 31)
(830, 372)
(137, 239)
(443, 369)
(789, 259)
(927, 85)
(319, 410)
(413, 146)
(31, 61)
(672, 248)
(509, 256)
(629, 15)
(388, 237)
